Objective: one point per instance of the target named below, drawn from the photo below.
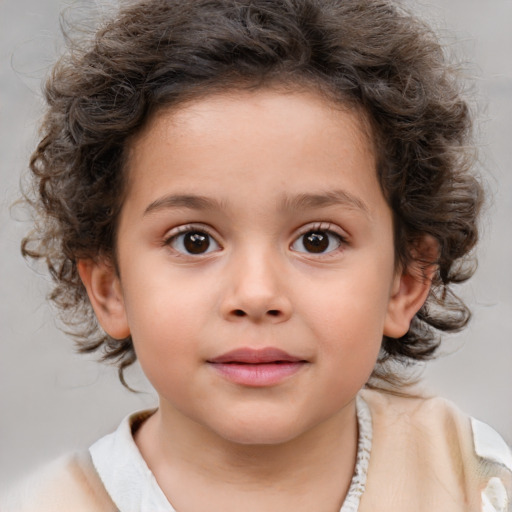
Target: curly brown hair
(156, 54)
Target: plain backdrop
(52, 400)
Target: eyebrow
(325, 199)
(189, 201)
(299, 202)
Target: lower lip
(258, 375)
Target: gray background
(53, 400)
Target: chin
(259, 438)
(264, 431)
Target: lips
(255, 356)
(257, 367)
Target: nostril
(239, 312)
(273, 312)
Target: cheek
(165, 301)
(347, 318)
(166, 323)
(354, 307)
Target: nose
(256, 291)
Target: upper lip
(255, 356)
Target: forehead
(326, 103)
(287, 138)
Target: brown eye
(196, 243)
(193, 242)
(317, 241)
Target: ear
(104, 290)
(411, 287)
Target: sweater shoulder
(440, 450)
(68, 483)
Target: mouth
(257, 367)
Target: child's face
(255, 231)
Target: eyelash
(181, 231)
(321, 228)
(313, 229)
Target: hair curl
(158, 53)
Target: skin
(268, 168)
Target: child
(266, 202)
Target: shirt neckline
(133, 487)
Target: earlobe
(411, 288)
(105, 294)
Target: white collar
(124, 473)
(133, 487)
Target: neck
(185, 456)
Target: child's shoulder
(428, 446)
(432, 415)
(68, 484)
